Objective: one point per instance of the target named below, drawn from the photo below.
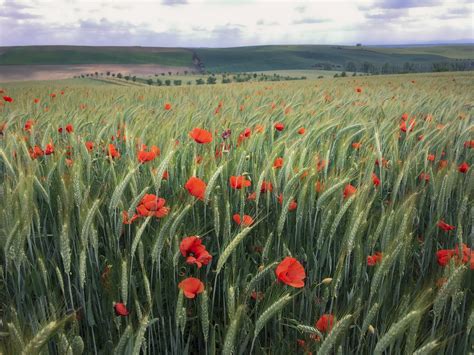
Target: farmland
(316, 216)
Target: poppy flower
(374, 259)
(318, 186)
(302, 131)
(291, 272)
(424, 177)
(444, 256)
(266, 187)
(7, 99)
(36, 152)
(325, 323)
(196, 187)
(201, 136)
(278, 163)
(246, 221)
(167, 106)
(292, 206)
(349, 190)
(444, 226)
(166, 175)
(411, 126)
(60, 130)
(69, 128)
(359, 90)
(356, 145)
(69, 162)
(191, 287)
(404, 117)
(144, 156)
(89, 145)
(198, 159)
(463, 168)
(36, 101)
(121, 310)
(237, 182)
(257, 295)
(49, 149)
(375, 180)
(279, 126)
(53, 95)
(194, 252)
(226, 134)
(252, 196)
(442, 164)
(28, 125)
(113, 152)
(469, 144)
(151, 205)
(259, 128)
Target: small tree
(159, 82)
(167, 82)
(211, 80)
(108, 73)
(119, 75)
(343, 74)
(177, 82)
(199, 81)
(149, 81)
(134, 78)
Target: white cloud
(193, 23)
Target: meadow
(329, 216)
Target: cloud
(385, 14)
(456, 13)
(16, 11)
(267, 23)
(174, 2)
(305, 21)
(405, 4)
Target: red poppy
(237, 182)
(293, 205)
(469, 144)
(36, 152)
(259, 128)
(120, 309)
(166, 175)
(252, 196)
(194, 252)
(356, 145)
(325, 323)
(266, 187)
(257, 295)
(89, 146)
(463, 168)
(278, 163)
(144, 156)
(7, 99)
(151, 205)
(36, 101)
(191, 287)
(53, 95)
(291, 272)
(349, 190)
(424, 177)
(279, 126)
(411, 126)
(442, 164)
(60, 130)
(28, 125)
(375, 180)
(69, 128)
(201, 136)
(404, 117)
(246, 221)
(302, 130)
(430, 157)
(196, 187)
(359, 90)
(113, 152)
(167, 106)
(444, 256)
(444, 226)
(49, 149)
(374, 259)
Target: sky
(229, 23)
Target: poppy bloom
(246, 221)
(279, 126)
(237, 182)
(60, 130)
(113, 152)
(302, 131)
(89, 145)
(53, 95)
(292, 206)
(7, 99)
(191, 287)
(69, 128)
(442, 164)
(291, 272)
(444, 256)
(424, 177)
(469, 144)
(151, 205)
(444, 226)
(49, 149)
(196, 187)
(411, 126)
(359, 90)
(252, 196)
(36, 152)
(349, 190)
(120, 309)
(167, 106)
(28, 125)
(278, 163)
(430, 157)
(375, 180)
(259, 128)
(257, 295)
(36, 101)
(144, 156)
(356, 145)
(266, 186)
(194, 252)
(201, 136)
(325, 323)
(198, 159)
(463, 168)
(374, 259)
(404, 117)
(226, 134)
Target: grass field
(347, 227)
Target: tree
(119, 75)
(177, 82)
(211, 80)
(127, 77)
(134, 78)
(159, 82)
(108, 73)
(149, 81)
(199, 81)
(343, 74)
(167, 82)
(336, 75)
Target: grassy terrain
(94, 55)
(67, 257)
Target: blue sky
(226, 23)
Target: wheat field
(329, 216)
